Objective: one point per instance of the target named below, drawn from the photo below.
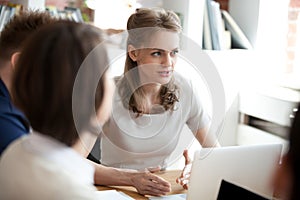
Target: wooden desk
(167, 175)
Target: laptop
(248, 166)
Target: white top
(39, 167)
(152, 139)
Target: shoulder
(10, 130)
(11, 119)
(185, 85)
(35, 168)
(10, 156)
(13, 124)
(180, 78)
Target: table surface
(169, 175)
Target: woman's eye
(156, 53)
(174, 52)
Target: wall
(294, 9)
(190, 14)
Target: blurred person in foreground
(145, 182)
(153, 102)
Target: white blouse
(152, 139)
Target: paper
(112, 194)
(173, 197)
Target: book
(5, 16)
(7, 12)
(213, 25)
(213, 20)
(69, 13)
(219, 24)
(52, 10)
(238, 38)
(75, 14)
(207, 43)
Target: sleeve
(198, 117)
(11, 128)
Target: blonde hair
(141, 26)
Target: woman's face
(157, 59)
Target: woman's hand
(148, 183)
(186, 172)
(145, 182)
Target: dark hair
(141, 26)
(19, 28)
(46, 73)
(293, 156)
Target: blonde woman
(152, 102)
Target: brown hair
(19, 28)
(46, 73)
(141, 26)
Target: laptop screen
(231, 191)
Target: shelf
(273, 104)
(32, 4)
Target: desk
(167, 175)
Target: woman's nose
(168, 60)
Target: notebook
(249, 166)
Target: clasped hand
(148, 183)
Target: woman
(57, 87)
(152, 103)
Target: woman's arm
(207, 139)
(146, 183)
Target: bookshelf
(264, 24)
(9, 8)
(30, 4)
(263, 21)
(204, 23)
(69, 13)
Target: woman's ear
(14, 59)
(132, 52)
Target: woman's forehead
(164, 40)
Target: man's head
(18, 29)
